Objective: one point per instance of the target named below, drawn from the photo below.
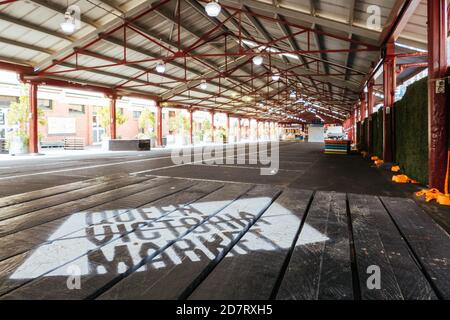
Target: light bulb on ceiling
(275, 77)
(257, 60)
(68, 25)
(203, 85)
(213, 8)
(292, 94)
(160, 67)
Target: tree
(147, 123)
(19, 115)
(104, 118)
(206, 128)
(206, 125)
(221, 132)
(178, 122)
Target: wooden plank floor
(148, 237)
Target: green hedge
(358, 135)
(364, 135)
(377, 133)
(361, 135)
(411, 131)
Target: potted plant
(18, 117)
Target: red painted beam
(239, 130)
(7, 1)
(293, 25)
(191, 126)
(403, 66)
(437, 113)
(363, 106)
(411, 54)
(212, 126)
(33, 123)
(370, 105)
(228, 126)
(15, 67)
(112, 112)
(67, 84)
(389, 85)
(159, 125)
(399, 19)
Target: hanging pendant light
(257, 60)
(203, 85)
(275, 77)
(293, 94)
(213, 8)
(68, 25)
(160, 67)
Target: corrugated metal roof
(30, 33)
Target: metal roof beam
(307, 17)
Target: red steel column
(389, 84)
(363, 115)
(212, 126)
(370, 105)
(352, 115)
(33, 123)
(363, 106)
(228, 127)
(112, 118)
(191, 128)
(437, 117)
(159, 125)
(239, 130)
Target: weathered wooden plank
(141, 194)
(251, 269)
(175, 272)
(120, 188)
(54, 200)
(38, 194)
(15, 269)
(146, 235)
(320, 265)
(378, 243)
(429, 242)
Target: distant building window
(2, 118)
(45, 104)
(77, 108)
(136, 114)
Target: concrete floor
(302, 165)
(136, 225)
